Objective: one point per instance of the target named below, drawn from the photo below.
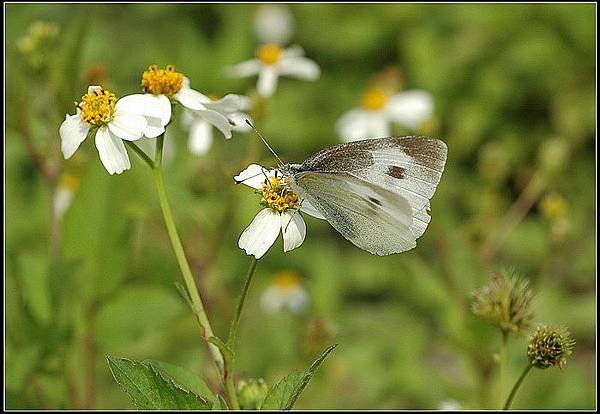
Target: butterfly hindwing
(373, 218)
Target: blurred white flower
(285, 292)
(379, 109)
(65, 190)
(273, 61)
(110, 121)
(449, 405)
(200, 127)
(281, 212)
(273, 23)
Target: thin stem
(236, 320)
(140, 153)
(501, 364)
(188, 277)
(233, 334)
(516, 386)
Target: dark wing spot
(396, 172)
(375, 201)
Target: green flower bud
(505, 303)
(251, 394)
(549, 347)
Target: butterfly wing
(373, 218)
(410, 167)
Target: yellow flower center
(277, 194)
(374, 99)
(269, 54)
(97, 106)
(553, 206)
(287, 280)
(162, 81)
(69, 181)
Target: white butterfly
(375, 192)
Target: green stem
(516, 386)
(188, 277)
(236, 320)
(141, 153)
(235, 323)
(501, 364)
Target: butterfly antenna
(265, 142)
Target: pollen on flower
(374, 99)
(97, 106)
(162, 81)
(269, 54)
(277, 195)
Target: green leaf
(284, 394)
(149, 391)
(219, 404)
(182, 377)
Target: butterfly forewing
(408, 166)
(373, 218)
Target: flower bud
(251, 394)
(549, 347)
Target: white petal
(148, 105)
(254, 175)
(62, 200)
(293, 229)
(154, 128)
(112, 151)
(148, 145)
(244, 69)
(260, 235)
(228, 103)
(267, 81)
(292, 52)
(299, 67)
(218, 120)
(191, 99)
(298, 300)
(200, 138)
(410, 108)
(308, 208)
(72, 133)
(273, 23)
(239, 119)
(353, 125)
(379, 125)
(127, 125)
(245, 103)
(92, 89)
(271, 300)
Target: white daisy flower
(281, 212)
(285, 292)
(162, 86)
(379, 109)
(63, 196)
(201, 128)
(110, 122)
(273, 61)
(273, 23)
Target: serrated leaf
(284, 394)
(149, 391)
(219, 404)
(183, 378)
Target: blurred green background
(515, 94)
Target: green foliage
(149, 391)
(508, 82)
(283, 395)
